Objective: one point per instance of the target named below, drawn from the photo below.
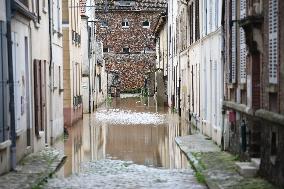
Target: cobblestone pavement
(33, 169)
(120, 174)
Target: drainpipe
(50, 73)
(11, 85)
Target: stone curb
(196, 165)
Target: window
(273, 41)
(44, 6)
(273, 102)
(58, 16)
(37, 11)
(273, 144)
(125, 50)
(146, 24)
(242, 56)
(197, 31)
(106, 49)
(104, 24)
(125, 23)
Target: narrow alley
(129, 143)
(141, 94)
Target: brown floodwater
(130, 129)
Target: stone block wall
(132, 66)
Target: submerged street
(129, 143)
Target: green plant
(200, 177)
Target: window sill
(5, 144)
(272, 88)
(231, 85)
(40, 134)
(243, 86)
(37, 25)
(44, 10)
(19, 132)
(125, 27)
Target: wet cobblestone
(121, 174)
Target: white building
(195, 72)
(56, 77)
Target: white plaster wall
(57, 118)
(212, 91)
(20, 30)
(194, 53)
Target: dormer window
(125, 23)
(146, 24)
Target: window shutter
(234, 46)
(2, 88)
(273, 38)
(242, 44)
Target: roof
(131, 5)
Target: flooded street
(127, 144)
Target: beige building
(72, 61)
(28, 123)
(161, 32)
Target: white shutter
(55, 15)
(210, 17)
(233, 67)
(273, 41)
(242, 44)
(17, 96)
(193, 21)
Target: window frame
(124, 50)
(146, 26)
(125, 23)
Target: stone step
(256, 162)
(247, 169)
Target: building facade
(161, 73)
(126, 30)
(72, 58)
(253, 89)
(100, 77)
(56, 71)
(28, 123)
(195, 87)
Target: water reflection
(151, 145)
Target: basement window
(125, 50)
(125, 24)
(146, 24)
